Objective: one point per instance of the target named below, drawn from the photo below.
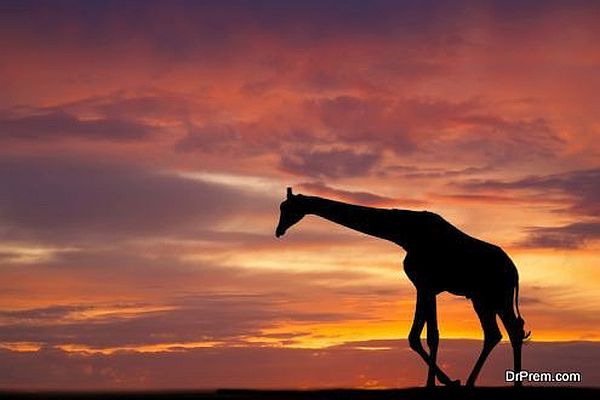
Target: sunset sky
(145, 148)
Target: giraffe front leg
(433, 338)
(423, 308)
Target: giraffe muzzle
(279, 232)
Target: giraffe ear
(289, 193)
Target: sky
(145, 148)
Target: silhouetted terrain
(488, 393)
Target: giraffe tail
(521, 321)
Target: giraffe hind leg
(491, 336)
(516, 333)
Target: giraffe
(439, 257)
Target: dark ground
(487, 393)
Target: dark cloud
(570, 236)
(375, 121)
(52, 313)
(210, 139)
(496, 139)
(145, 105)
(59, 125)
(582, 186)
(202, 318)
(507, 140)
(228, 318)
(394, 121)
(486, 198)
(581, 194)
(401, 125)
(435, 126)
(531, 301)
(54, 199)
(414, 172)
(329, 163)
(365, 198)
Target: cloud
(570, 236)
(52, 313)
(414, 172)
(227, 318)
(360, 197)
(167, 292)
(209, 139)
(435, 126)
(59, 125)
(144, 105)
(582, 186)
(368, 120)
(332, 164)
(579, 193)
(73, 200)
(507, 140)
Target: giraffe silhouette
(439, 257)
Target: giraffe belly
(437, 277)
(471, 269)
(459, 293)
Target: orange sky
(144, 151)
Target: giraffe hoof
(430, 381)
(455, 383)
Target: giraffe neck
(381, 223)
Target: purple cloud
(73, 200)
(329, 163)
(359, 197)
(583, 186)
(217, 138)
(562, 237)
(59, 125)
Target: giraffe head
(291, 213)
